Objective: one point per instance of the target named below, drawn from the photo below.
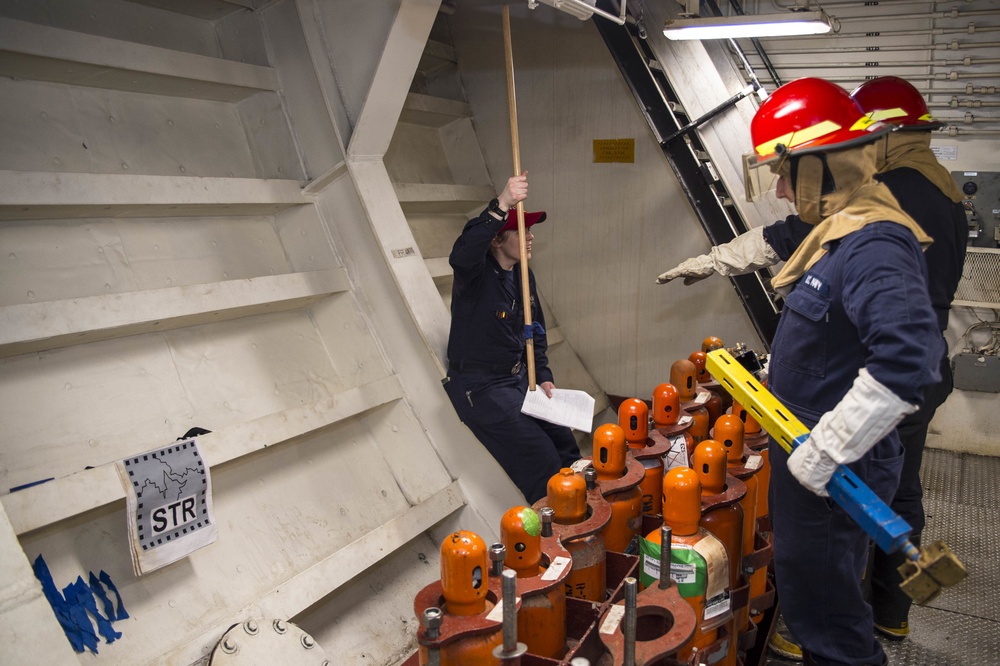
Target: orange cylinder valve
(671, 431)
(580, 512)
(633, 417)
(701, 425)
(611, 458)
(711, 343)
(566, 493)
(700, 372)
(464, 573)
(699, 562)
(750, 424)
(666, 406)
(692, 397)
(521, 534)
(465, 595)
(683, 375)
(532, 551)
(720, 399)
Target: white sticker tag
(614, 618)
(682, 573)
(556, 568)
(717, 605)
(684, 420)
(702, 397)
(581, 465)
(677, 456)
(496, 615)
(754, 461)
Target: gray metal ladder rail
(688, 159)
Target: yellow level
(772, 416)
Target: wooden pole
(529, 344)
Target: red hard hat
(809, 115)
(894, 100)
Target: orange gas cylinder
(711, 343)
(611, 459)
(541, 620)
(721, 512)
(744, 465)
(700, 373)
(682, 375)
(700, 426)
(692, 397)
(722, 515)
(699, 562)
(756, 439)
(671, 428)
(633, 417)
(580, 512)
(466, 595)
(720, 400)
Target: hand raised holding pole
(529, 350)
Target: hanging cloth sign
(169, 496)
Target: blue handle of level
(886, 527)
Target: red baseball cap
(529, 219)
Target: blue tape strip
(533, 329)
(78, 614)
(109, 607)
(106, 579)
(85, 596)
(58, 603)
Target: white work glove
(866, 414)
(746, 253)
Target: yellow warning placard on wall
(614, 150)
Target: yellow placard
(614, 150)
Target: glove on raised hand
(744, 254)
(866, 414)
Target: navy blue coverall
(487, 372)
(862, 305)
(944, 221)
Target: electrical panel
(976, 372)
(981, 190)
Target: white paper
(567, 407)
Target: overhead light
(759, 25)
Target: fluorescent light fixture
(758, 25)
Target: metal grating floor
(962, 626)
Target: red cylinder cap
(750, 425)
(566, 494)
(710, 461)
(682, 375)
(682, 501)
(520, 532)
(633, 417)
(729, 431)
(666, 405)
(701, 374)
(464, 573)
(609, 451)
(711, 343)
